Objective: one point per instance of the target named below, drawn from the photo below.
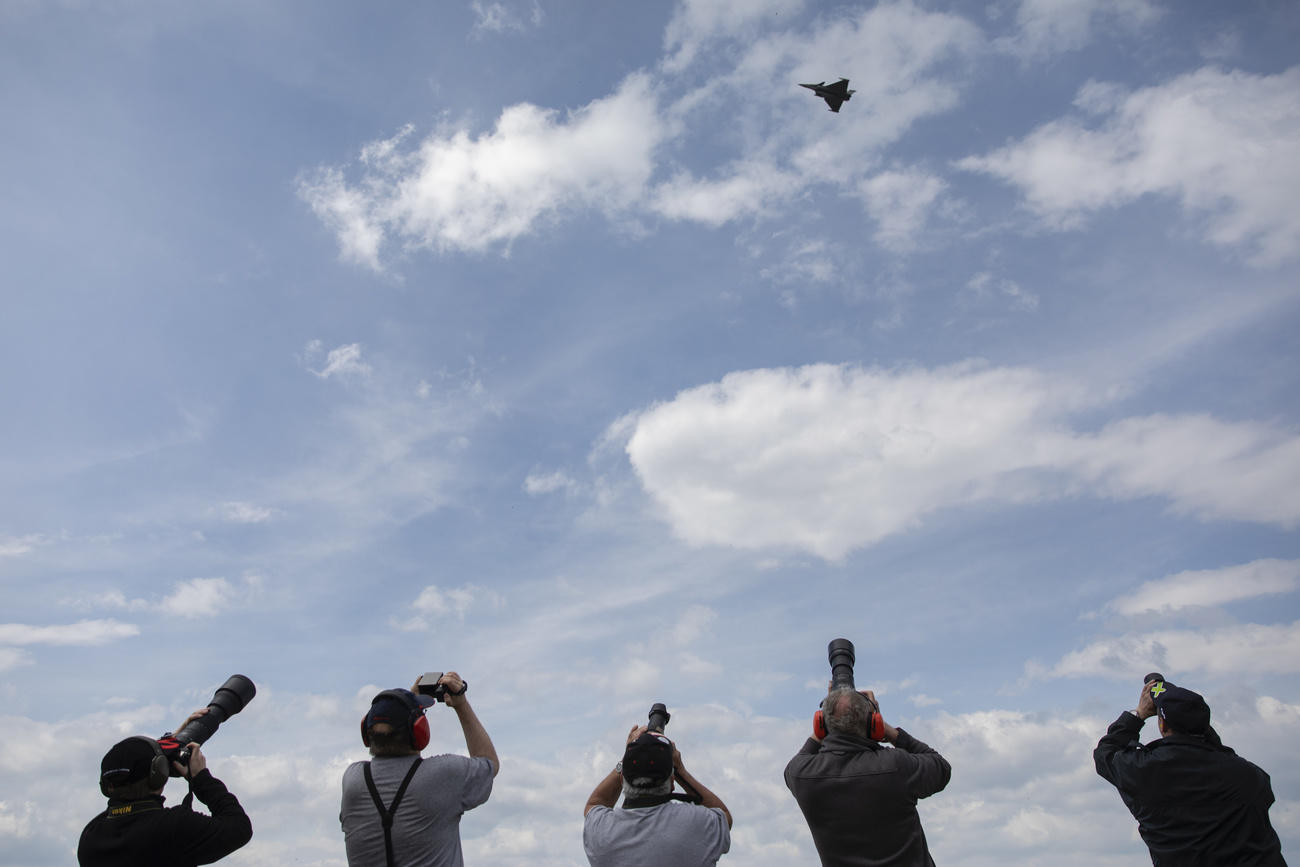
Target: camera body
(428, 685)
(229, 699)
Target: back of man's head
(648, 766)
(847, 711)
(132, 769)
(1181, 711)
(395, 724)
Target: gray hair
(646, 787)
(846, 711)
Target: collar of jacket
(839, 742)
(121, 808)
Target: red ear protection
(420, 731)
(875, 725)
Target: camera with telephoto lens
(428, 685)
(659, 717)
(229, 699)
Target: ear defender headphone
(875, 723)
(159, 768)
(417, 724)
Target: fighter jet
(835, 95)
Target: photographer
(138, 831)
(400, 808)
(1195, 800)
(653, 828)
(858, 797)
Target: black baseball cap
(127, 761)
(1181, 709)
(648, 757)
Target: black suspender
(386, 815)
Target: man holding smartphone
(401, 808)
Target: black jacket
(1196, 801)
(147, 834)
(859, 798)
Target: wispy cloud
(1183, 139)
(436, 603)
(83, 633)
(1200, 588)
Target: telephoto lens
(659, 717)
(229, 699)
(840, 654)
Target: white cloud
(900, 202)
(17, 546)
(1209, 469)
(12, 657)
(245, 513)
(435, 603)
(199, 597)
(829, 458)
(985, 285)
(537, 484)
(748, 188)
(1046, 27)
(83, 633)
(697, 22)
(1206, 587)
(1241, 649)
(342, 361)
(454, 191)
(497, 17)
(1225, 144)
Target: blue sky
(577, 349)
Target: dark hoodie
(1196, 801)
(859, 798)
(144, 833)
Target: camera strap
(386, 813)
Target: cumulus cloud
(198, 597)
(1246, 648)
(1226, 145)
(17, 546)
(435, 603)
(245, 513)
(341, 361)
(900, 202)
(828, 458)
(1205, 587)
(697, 22)
(1045, 27)
(457, 191)
(496, 17)
(537, 484)
(190, 598)
(83, 633)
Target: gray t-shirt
(676, 833)
(426, 827)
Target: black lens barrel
(229, 699)
(659, 717)
(840, 654)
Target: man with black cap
(653, 828)
(138, 831)
(401, 808)
(1195, 800)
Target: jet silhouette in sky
(835, 94)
